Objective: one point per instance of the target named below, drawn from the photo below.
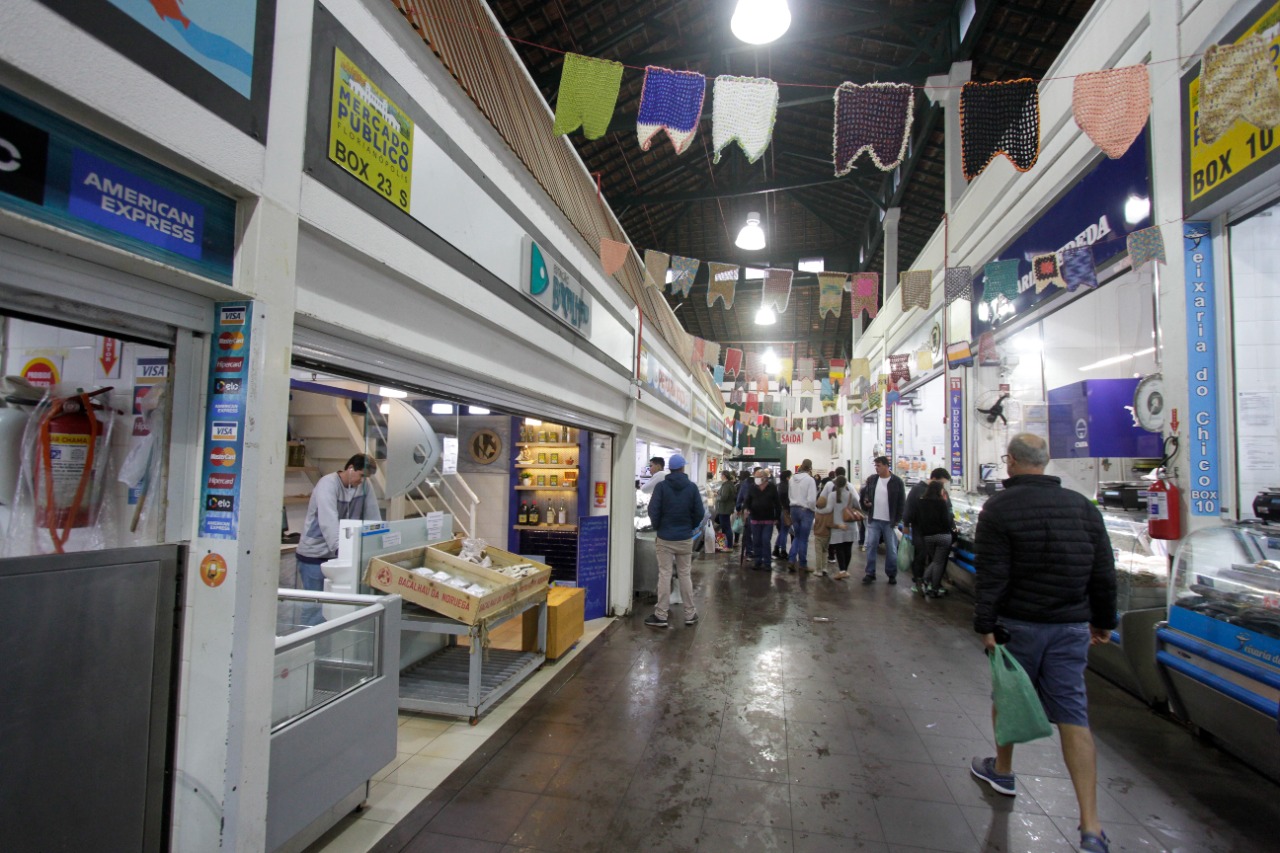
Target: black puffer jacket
(1043, 556)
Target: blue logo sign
(539, 278)
(1202, 369)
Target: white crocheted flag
(777, 289)
(683, 272)
(655, 268)
(804, 368)
(743, 109)
(711, 356)
(670, 101)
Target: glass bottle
(560, 514)
(523, 516)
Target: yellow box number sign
(369, 136)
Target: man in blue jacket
(676, 511)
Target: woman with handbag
(726, 497)
(844, 518)
(821, 532)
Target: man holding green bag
(1046, 590)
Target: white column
(224, 715)
(622, 509)
(891, 217)
(944, 89)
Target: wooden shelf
(554, 528)
(546, 444)
(546, 465)
(546, 488)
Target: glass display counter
(1219, 652)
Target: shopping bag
(736, 524)
(906, 551)
(1019, 715)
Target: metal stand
(461, 682)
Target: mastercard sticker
(232, 341)
(222, 456)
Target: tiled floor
(763, 729)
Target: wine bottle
(549, 517)
(560, 514)
(523, 516)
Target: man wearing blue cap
(676, 511)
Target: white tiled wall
(1255, 307)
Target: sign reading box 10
(548, 284)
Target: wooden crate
(565, 606)
(393, 573)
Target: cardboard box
(565, 606)
(393, 573)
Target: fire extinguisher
(66, 453)
(1164, 516)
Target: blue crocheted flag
(1145, 246)
(683, 272)
(670, 101)
(1077, 267)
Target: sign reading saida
(369, 136)
(1244, 151)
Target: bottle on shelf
(523, 515)
(549, 515)
(560, 514)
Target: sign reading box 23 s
(369, 136)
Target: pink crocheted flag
(670, 101)
(958, 284)
(1000, 278)
(743, 109)
(1047, 272)
(916, 287)
(777, 289)
(721, 283)
(683, 272)
(699, 349)
(1238, 82)
(1077, 267)
(831, 287)
(1112, 106)
(866, 294)
(1145, 246)
(900, 368)
(754, 365)
(999, 118)
(732, 361)
(988, 355)
(804, 368)
(753, 402)
(655, 268)
(875, 118)
(588, 94)
(612, 255)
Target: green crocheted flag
(588, 93)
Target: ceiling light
(392, 392)
(442, 408)
(1136, 209)
(771, 363)
(813, 265)
(532, 422)
(765, 316)
(760, 21)
(751, 237)
(477, 410)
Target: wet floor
(806, 714)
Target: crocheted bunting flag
(740, 380)
(999, 118)
(588, 93)
(1112, 106)
(766, 403)
(655, 268)
(737, 396)
(860, 368)
(804, 368)
(836, 368)
(777, 289)
(831, 292)
(732, 361)
(924, 360)
(711, 354)
(717, 373)
(785, 366)
(958, 284)
(1077, 267)
(683, 272)
(988, 355)
(721, 283)
(900, 368)
(743, 109)
(670, 101)
(875, 118)
(1001, 279)
(612, 255)
(1046, 272)
(825, 391)
(866, 294)
(699, 349)
(1238, 82)
(959, 355)
(754, 364)
(916, 287)
(1146, 245)
(753, 402)
(806, 403)
(892, 394)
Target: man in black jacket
(883, 498)
(1046, 576)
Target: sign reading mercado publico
(369, 136)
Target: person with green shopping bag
(1046, 584)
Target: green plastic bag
(1019, 715)
(906, 552)
(736, 524)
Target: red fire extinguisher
(1164, 521)
(68, 439)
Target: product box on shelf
(394, 573)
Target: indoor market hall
(803, 713)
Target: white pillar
(622, 509)
(944, 89)
(891, 217)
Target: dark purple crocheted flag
(875, 118)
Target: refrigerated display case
(1219, 652)
(961, 567)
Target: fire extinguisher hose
(56, 408)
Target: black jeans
(844, 551)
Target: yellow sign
(1211, 167)
(369, 136)
(41, 372)
(213, 570)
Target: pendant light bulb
(765, 316)
(760, 21)
(751, 237)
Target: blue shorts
(1055, 656)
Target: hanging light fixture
(760, 21)
(765, 316)
(751, 237)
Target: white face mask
(760, 481)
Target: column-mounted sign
(888, 434)
(369, 136)
(1202, 370)
(225, 420)
(559, 294)
(955, 414)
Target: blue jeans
(761, 536)
(783, 530)
(311, 578)
(726, 527)
(877, 530)
(802, 523)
